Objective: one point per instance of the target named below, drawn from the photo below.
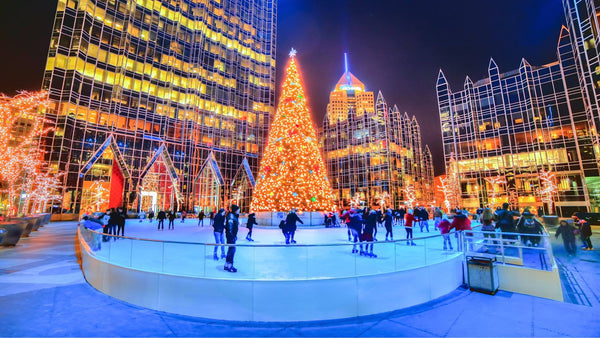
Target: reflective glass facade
(509, 126)
(185, 89)
(370, 148)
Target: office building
(159, 104)
(372, 150)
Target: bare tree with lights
(547, 188)
(494, 182)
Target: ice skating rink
(188, 250)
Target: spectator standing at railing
(113, 221)
(487, 223)
(445, 227)
(408, 226)
(528, 224)
(460, 223)
(585, 232)
(122, 216)
(568, 236)
(505, 221)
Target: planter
(12, 232)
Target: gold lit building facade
(162, 104)
(500, 132)
(371, 149)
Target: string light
(410, 195)
(292, 172)
(21, 161)
(450, 185)
(494, 182)
(548, 188)
(383, 198)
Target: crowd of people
(363, 224)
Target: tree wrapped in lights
(356, 201)
(21, 126)
(292, 172)
(99, 195)
(494, 182)
(547, 188)
(45, 186)
(382, 199)
(450, 185)
(410, 195)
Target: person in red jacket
(445, 228)
(408, 227)
(460, 223)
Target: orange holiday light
(292, 172)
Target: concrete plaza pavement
(43, 293)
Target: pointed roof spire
(380, 97)
(468, 81)
(524, 63)
(395, 109)
(493, 67)
(441, 78)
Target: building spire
(347, 70)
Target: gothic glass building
(159, 104)
(502, 131)
(371, 149)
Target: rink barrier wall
(275, 300)
(268, 218)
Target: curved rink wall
(275, 283)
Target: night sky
(396, 46)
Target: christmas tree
(292, 172)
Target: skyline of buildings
(163, 95)
(500, 132)
(371, 149)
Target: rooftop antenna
(348, 79)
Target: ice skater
(172, 216)
(408, 226)
(568, 236)
(445, 228)
(249, 225)
(201, 218)
(231, 230)
(387, 219)
(369, 233)
(218, 228)
(355, 225)
(161, 219)
(290, 224)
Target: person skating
(408, 226)
(461, 223)
(161, 219)
(201, 218)
(505, 221)
(249, 225)
(219, 228)
(290, 223)
(445, 228)
(401, 214)
(172, 216)
(568, 236)
(388, 220)
(150, 215)
(183, 215)
(424, 217)
(355, 225)
(231, 230)
(369, 230)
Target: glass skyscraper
(159, 104)
(502, 131)
(371, 149)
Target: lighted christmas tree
(292, 172)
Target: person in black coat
(568, 236)
(290, 226)
(150, 215)
(585, 232)
(231, 230)
(369, 232)
(355, 225)
(424, 217)
(219, 227)
(161, 219)
(505, 221)
(201, 218)
(113, 221)
(388, 220)
(121, 222)
(250, 224)
(172, 216)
